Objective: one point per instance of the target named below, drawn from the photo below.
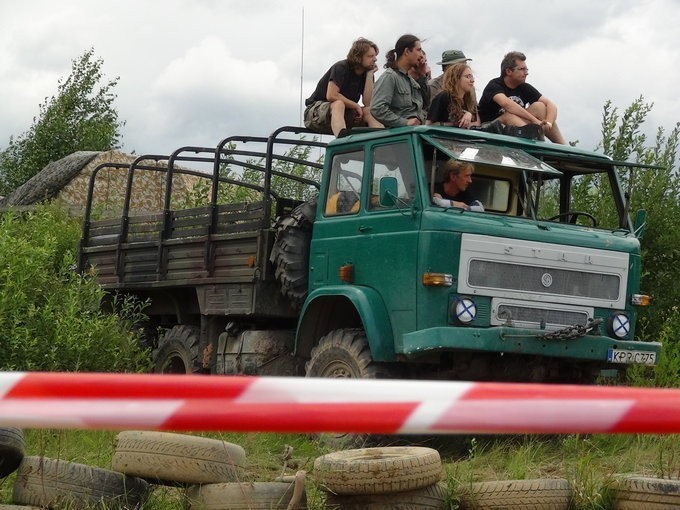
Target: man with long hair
(334, 105)
(398, 99)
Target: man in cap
(449, 57)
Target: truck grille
(550, 318)
(543, 279)
(542, 275)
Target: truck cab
(530, 288)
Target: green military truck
(306, 258)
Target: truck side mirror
(640, 224)
(388, 191)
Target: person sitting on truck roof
(449, 57)
(334, 105)
(398, 98)
(456, 105)
(512, 101)
(453, 190)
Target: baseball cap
(452, 57)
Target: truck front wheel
(177, 351)
(343, 353)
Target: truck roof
(534, 147)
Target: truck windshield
(491, 155)
(561, 186)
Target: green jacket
(396, 98)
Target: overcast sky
(195, 71)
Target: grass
(589, 462)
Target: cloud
(193, 71)
(208, 93)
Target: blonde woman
(456, 104)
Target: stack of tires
(42, 482)
(209, 468)
(404, 477)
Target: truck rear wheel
(290, 253)
(177, 351)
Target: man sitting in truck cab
(453, 190)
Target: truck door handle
(363, 228)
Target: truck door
(380, 242)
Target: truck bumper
(513, 340)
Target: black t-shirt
(523, 95)
(439, 109)
(351, 84)
(464, 196)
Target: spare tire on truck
(290, 253)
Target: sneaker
(343, 132)
(495, 126)
(530, 131)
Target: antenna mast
(302, 61)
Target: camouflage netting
(67, 180)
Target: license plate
(626, 356)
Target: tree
(80, 117)
(658, 192)
(655, 190)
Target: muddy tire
(54, 483)
(290, 253)
(344, 353)
(540, 494)
(380, 470)
(637, 493)
(171, 459)
(241, 496)
(11, 450)
(432, 497)
(178, 351)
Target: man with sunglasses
(510, 100)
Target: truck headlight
(464, 310)
(619, 325)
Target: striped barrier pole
(281, 404)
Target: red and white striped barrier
(280, 404)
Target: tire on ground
(242, 496)
(12, 447)
(432, 497)
(539, 494)
(166, 458)
(55, 483)
(639, 492)
(379, 470)
(290, 253)
(177, 351)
